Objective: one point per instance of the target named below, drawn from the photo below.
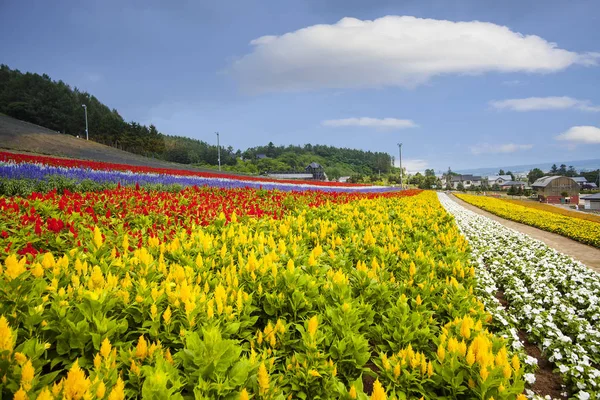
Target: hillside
(23, 136)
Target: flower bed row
(57, 222)
(583, 231)
(40, 173)
(554, 298)
(554, 209)
(370, 296)
(82, 165)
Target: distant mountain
(582, 165)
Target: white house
(466, 180)
(498, 179)
(592, 202)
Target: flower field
(583, 231)
(244, 293)
(551, 296)
(555, 209)
(22, 174)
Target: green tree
(534, 175)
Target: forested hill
(57, 106)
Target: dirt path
(588, 255)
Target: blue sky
(518, 87)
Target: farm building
(580, 180)
(550, 189)
(592, 202)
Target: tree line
(57, 106)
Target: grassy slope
(20, 136)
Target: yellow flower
(27, 375)
(352, 392)
(21, 395)
(521, 397)
(470, 357)
(244, 395)
(483, 373)
(141, 349)
(263, 379)
(14, 267)
(314, 373)
(441, 352)
(97, 237)
(397, 370)
(98, 361)
(516, 364)
(378, 392)
(167, 315)
(105, 348)
(45, 394)
(118, 391)
(313, 325)
(76, 385)
(101, 390)
(6, 335)
(20, 357)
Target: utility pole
(218, 151)
(86, 123)
(400, 151)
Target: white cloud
(379, 123)
(412, 166)
(581, 134)
(487, 148)
(394, 51)
(544, 103)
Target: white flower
(583, 395)
(529, 378)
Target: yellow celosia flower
(352, 393)
(263, 379)
(244, 395)
(483, 373)
(21, 395)
(470, 358)
(141, 350)
(521, 397)
(378, 391)
(118, 391)
(167, 315)
(516, 364)
(97, 361)
(313, 325)
(441, 352)
(45, 394)
(314, 373)
(6, 335)
(20, 358)
(101, 390)
(97, 237)
(14, 267)
(76, 385)
(27, 375)
(105, 348)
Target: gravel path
(588, 255)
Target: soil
(368, 380)
(546, 382)
(588, 255)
